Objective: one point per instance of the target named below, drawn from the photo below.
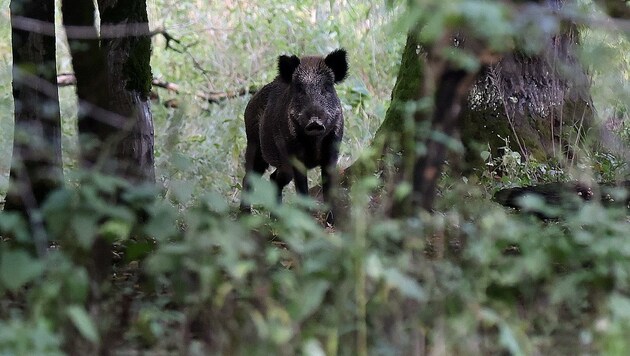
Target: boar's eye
(299, 88)
(327, 88)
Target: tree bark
(36, 163)
(421, 75)
(96, 123)
(394, 136)
(113, 83)
(113, 80)
(540, 102)
(129, 71)
(451, 89)
(407, 88)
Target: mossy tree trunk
(113, 76)
(540, 104)
(422, 117)
(113, 79)
(392, 131)
(446, 85)
(391, 153)
(36, 164)
(129, 73)
(394, 136)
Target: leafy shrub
(471, 279)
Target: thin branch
(213, 97)
(100, 114)
(137, 29)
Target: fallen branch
(217, 97)
(557, 196)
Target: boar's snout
(314, 127)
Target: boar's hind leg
(254, 162)
(281, 177)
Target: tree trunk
(129, 73)
(541, 103)
(88, 62)
(394, 136)
(36, 164)
(406, 89)
(451, 89)
(405, 126)
(113, 78)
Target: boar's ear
(337, 61)
(286, 67)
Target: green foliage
(285, 284)
(18, 337)
(18, 268)
(512, 169)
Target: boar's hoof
(314, 128)
(330, 218)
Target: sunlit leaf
(83, 322)
(406, 285)
(309, 298)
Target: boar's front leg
(301, 181)
(281, 176)
(330, 154)
(328, 181)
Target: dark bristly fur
(297, 118)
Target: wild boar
(295, 123)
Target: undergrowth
(193, 277)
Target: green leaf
(313, 347)
(309, 298)
(216, 203)
(163, 222)
(138, 250)
(406, 285)
(196, 139)
(508, 339)
(484, 155)
(141, 195)
(115, 230)
(85, 227)
(181, 191)
(13, 223)
(620, 306)
(373, 266)
(83, 322)
(77, 285)
(264, 192)
(402, 190)
(162, 263)
(18, 268)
